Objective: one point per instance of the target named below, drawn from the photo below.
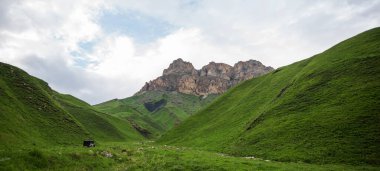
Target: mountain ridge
(213, 78)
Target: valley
(321, 113)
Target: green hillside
(325, 109)
(32, 114)
(155, 111)
(101, 126)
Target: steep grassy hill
(32, 114)
(155, 112)
(325, 109)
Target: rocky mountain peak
(213, 78)
(216, 70)
(244, 70)
(180, 67)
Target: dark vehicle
(88, 143)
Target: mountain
(324, 109)
(32, 114)
(181, 91)
(214, 78)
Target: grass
(324, 109)
(173, 108)
(143, 156)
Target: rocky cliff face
(214, 78)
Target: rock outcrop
(214, 78)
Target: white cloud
(112, 55)
(41, 36)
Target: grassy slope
(29, 115)
(177, 108)
(32, 114)
(324, 109)
(101, 126)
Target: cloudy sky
(99, 50)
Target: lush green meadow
(143, 156)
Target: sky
(99, 50)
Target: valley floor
(143, 156)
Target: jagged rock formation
(214, 78)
